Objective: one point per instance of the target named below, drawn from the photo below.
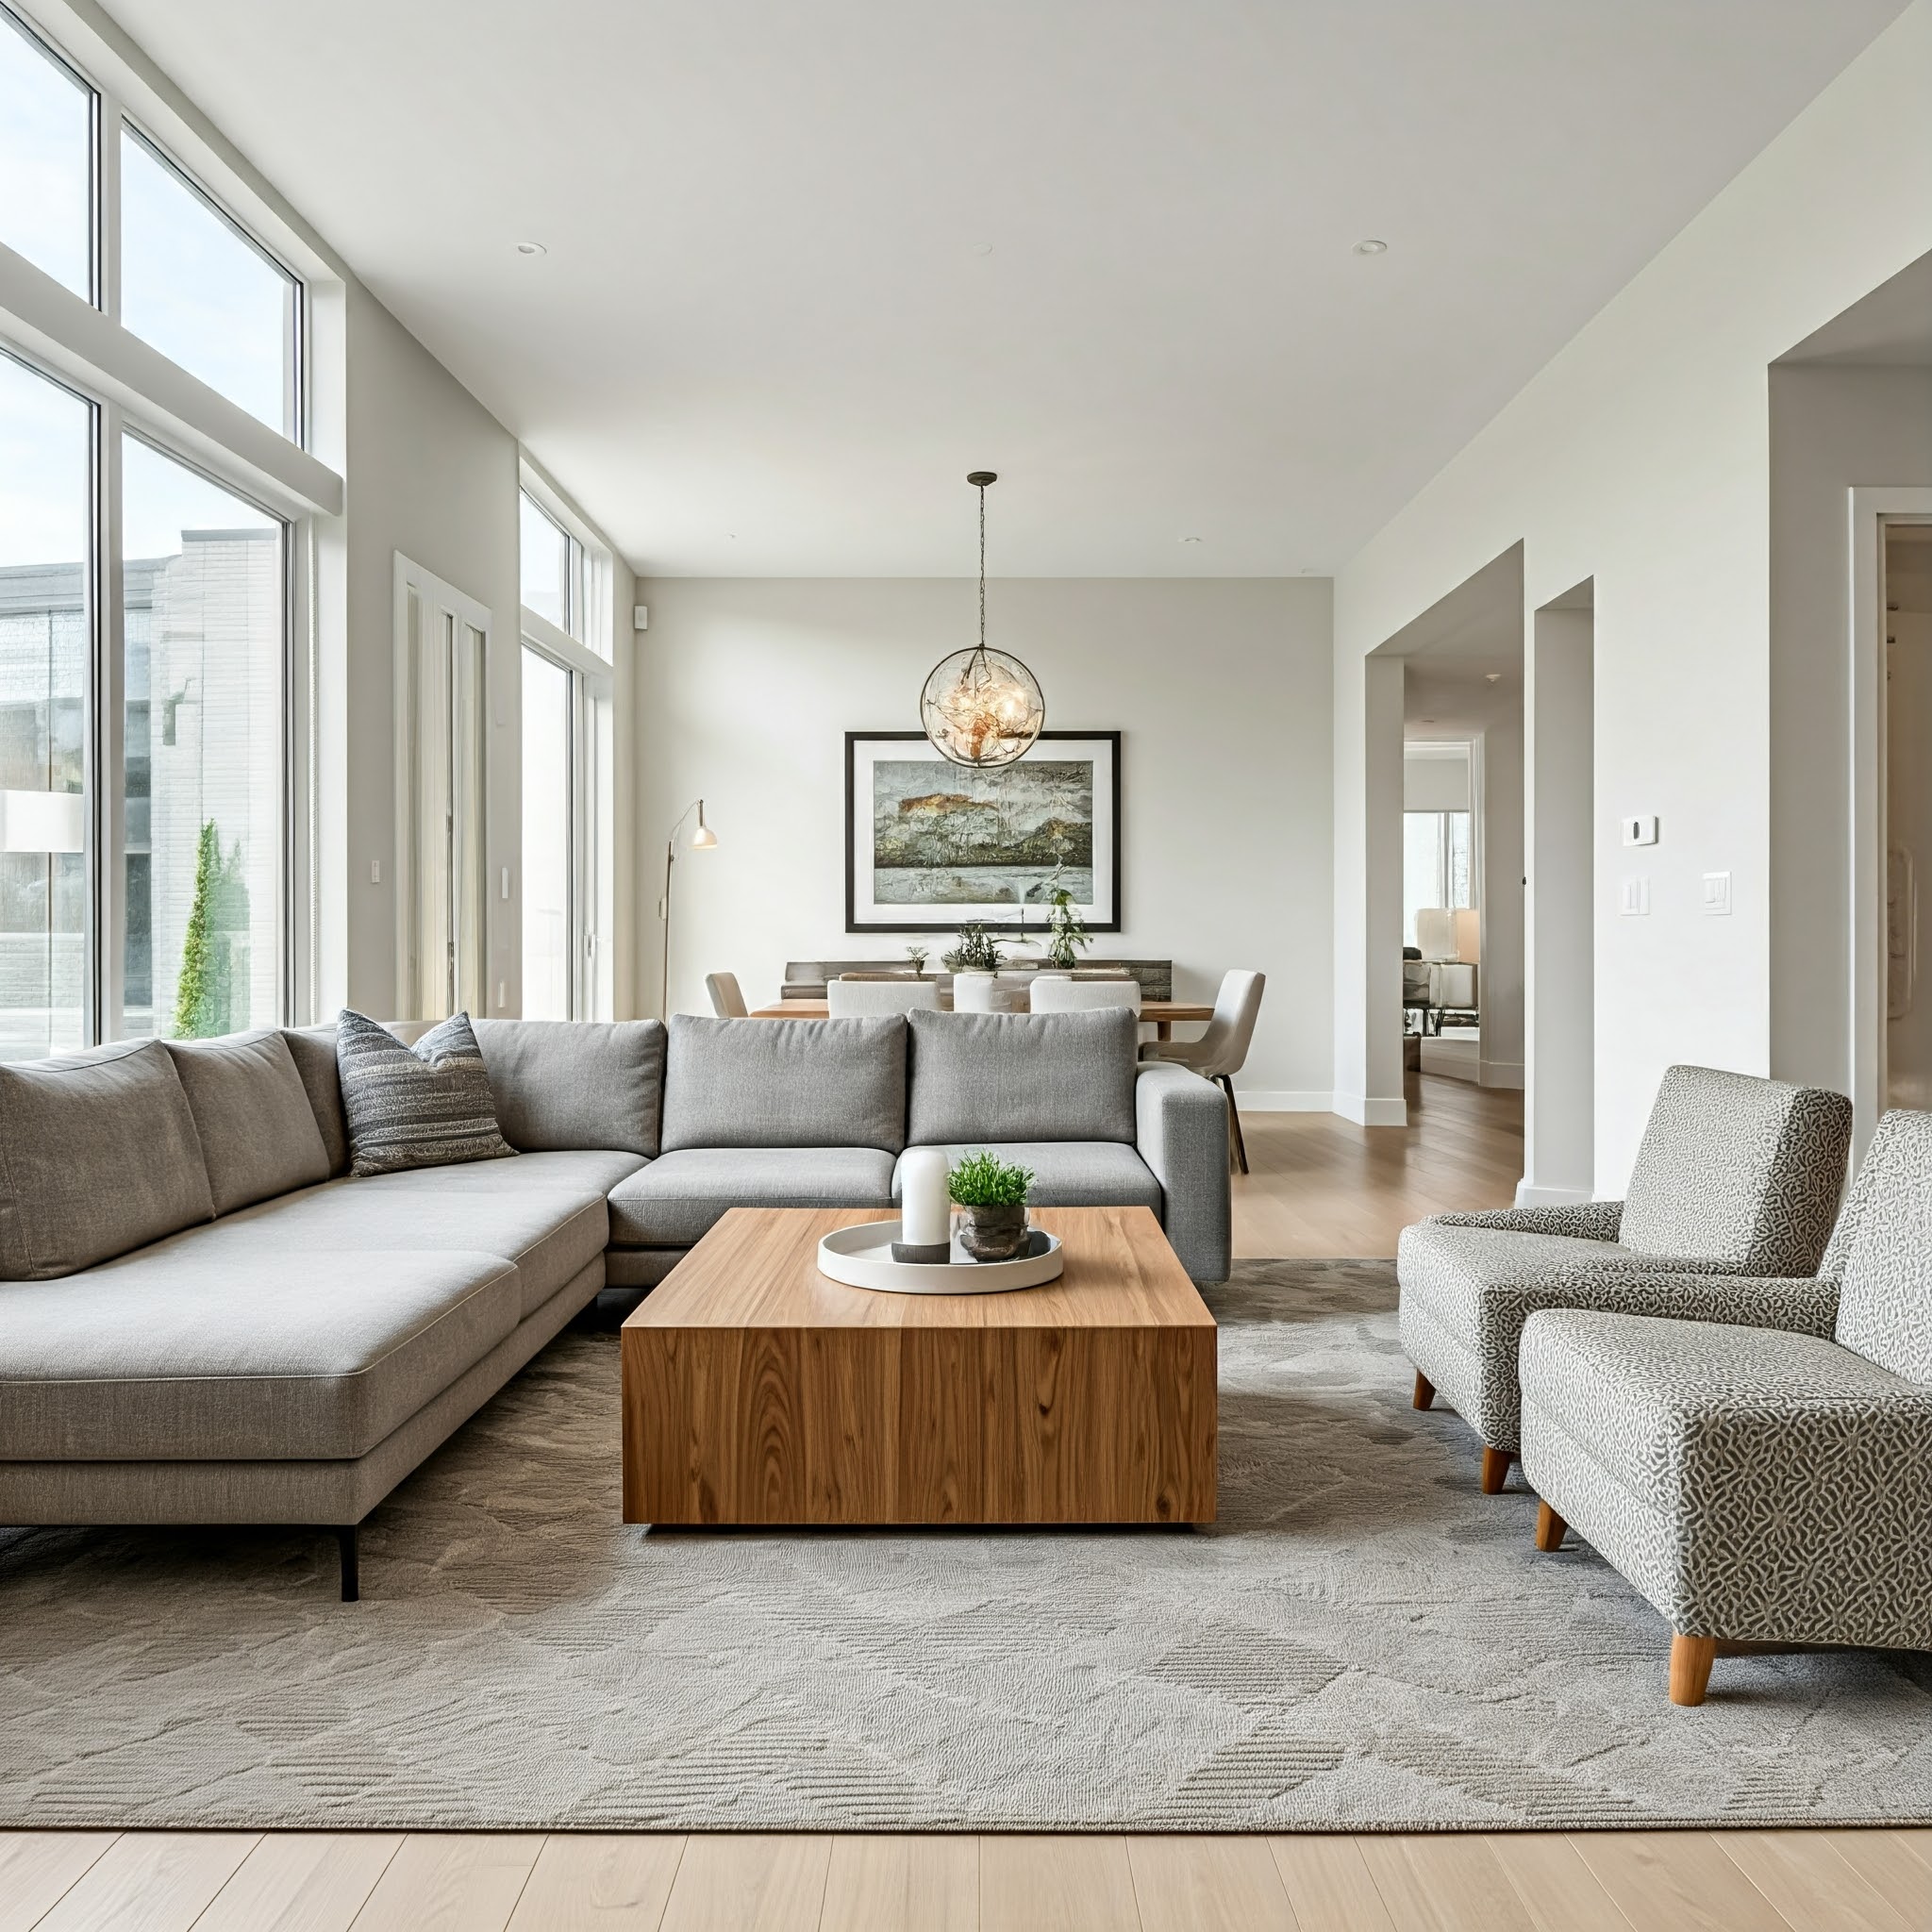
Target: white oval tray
(862, 1258)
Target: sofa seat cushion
(674, 1201)
(550, 1234)
(1070, 1174)
(185, 1354)
(590, 1171)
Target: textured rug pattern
(1362, 1641)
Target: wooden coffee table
(758, 1392)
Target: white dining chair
(1221, 1051)
(727, 1002)
(1085, 995)
(858, 999)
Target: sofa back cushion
(1022, 1076)
(1743, 1171)
(785, 1083)
(258, 1136)
(313, 1049)
(565, 1084)
(1885, 1290)
(422, 1106)
(99, 1154)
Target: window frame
(133, 388)
(592, 691)
(296, 317)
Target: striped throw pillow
(423, 1105)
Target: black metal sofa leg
(348, 1539)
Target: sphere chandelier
(981, 707)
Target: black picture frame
(862, 917)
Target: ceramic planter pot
(994, 1234)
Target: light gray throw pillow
(984, 1077)
(423, 1105)
(565, 1084)
(258, 1136)
(98, 1153)
(785, 1083)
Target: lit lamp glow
(980, 707)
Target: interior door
(442, 645)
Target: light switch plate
(1640, 829)
(1634, 900)
(1716, 895)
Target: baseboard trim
(1529, 1196)
(1282, 1100)
(1499, 1074)
(1368, 1110)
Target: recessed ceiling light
(1190, 540)
(531, 248)
(982, 248)
(1371, 247)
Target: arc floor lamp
(702, 839)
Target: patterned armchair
(1728, 1215)
(1755, 1486)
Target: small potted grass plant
(991, 1194)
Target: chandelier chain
(982, 567)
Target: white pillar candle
(924, 1204)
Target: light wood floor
(1318, 1187)
(1866, 1881)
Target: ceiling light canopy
(1370, 246)
(979, 707)
(531, 248)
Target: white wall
(431, 474)
(1221, 688)
(1435, 781)
(1639, 457)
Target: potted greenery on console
(1066, 931)
(992, 1194)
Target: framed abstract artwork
(931, 845)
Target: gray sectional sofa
(204, 1320)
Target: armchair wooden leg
(1690, 1660)
(1550, 1527)
(1425, 1396)
(1495, 1469)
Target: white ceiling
(769, 337)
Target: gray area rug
(1362, 1641)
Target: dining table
(1163, 1014)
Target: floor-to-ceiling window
(45, 437)
(145, 585)
(566, 796)
(550, 797)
